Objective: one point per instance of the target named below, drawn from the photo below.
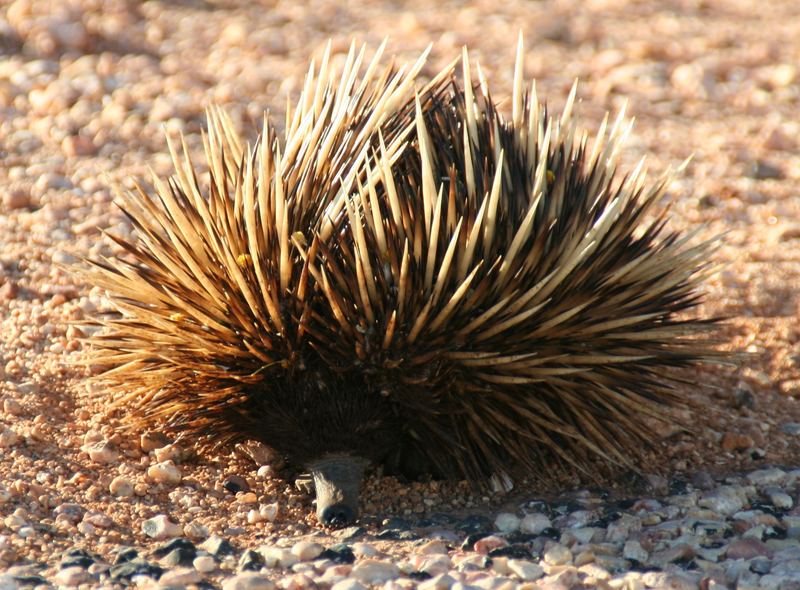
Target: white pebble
(12, 407)
(8, 438)
(433, 547)
(725, 500)
(8, 582)
(634, 550)
(535, 523)
(440, 582)
(764, 477)
(101, 451)
(71, 576)
(195, 530)
(334, 573)
(348, 584)
(161, 110)
(364, 550)
(98, 519)
(470, 562)
(14, 522)
(167, 453)
(557, 554)
(98, 568)
(164, 472)
(204, 564)
(307, 550)
(525, 570)
(372, 571)
(268, 512)
(160, 527)
(781, 500)
(506, 522)
(181, 576)
(121, 487)
(248, 581)
(433, 565)
(277, 556)
(86, 529)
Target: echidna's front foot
(337, 481)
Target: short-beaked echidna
(410, 279)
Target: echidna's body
(407, 279)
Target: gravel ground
(86, 90)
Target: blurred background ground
(87, 88)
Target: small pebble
(762, 170)
(725, 500)
(790, 428)
(71, 576)
(121, 486)
(748, 548)
(277, 557)
(165, 472)
(507, 522)
(439, 582)
(195, 530)
(204, 564)
(433, 547)
(12, 407)
(765, 477)
(307, 550)
(487, 544)
(98, 519)
(431, 564)
(180, 577)
(268, 512)
(527, 571)
(634, 550)
(535, 523)
(557, 554)
(160, 527)
(102, 452)
(248, 581)
(167, 453)
(703, 480)
(8, 438)
(16, 198)
(365, 550)
(218, 547)
(372, 571)
(251, 561)
(780, 499)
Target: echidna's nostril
(338, 515)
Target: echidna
(408, 279)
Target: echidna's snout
(337, 481)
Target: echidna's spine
(526, 302)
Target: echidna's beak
(337, 480)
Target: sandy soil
(87, 89)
